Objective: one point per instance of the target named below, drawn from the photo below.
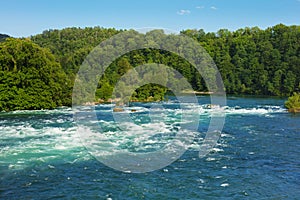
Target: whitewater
(43, 156)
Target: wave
(61, 110)
(24, 145)
(256, 110)
(209, 109)
(157, 107)
(32, 140)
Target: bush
(293, 103)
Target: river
(256, 156)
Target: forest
(39, 72)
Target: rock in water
(116, 109)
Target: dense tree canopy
(71, 45)
(30, 78)
(255, 61)
(250, 60)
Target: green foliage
(30, 78)
(71, 45)
(293, 102)
(250, 60)
(255, 61)
(150, 92)
(104, 91)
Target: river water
(256, 156)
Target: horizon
(24, 19)
(146, 28)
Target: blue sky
(22, 18)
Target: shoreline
(196, 92)
(115, 100)
(294, 110)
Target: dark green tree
(30, 78)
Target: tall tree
(30, 77)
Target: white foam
(217, 150)
(50, 143)
(44, 144)
(258, 110)
(210, 159)
(224, 185)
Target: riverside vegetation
(293, 103)
(39, 72)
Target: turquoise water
(256, 157)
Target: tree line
(250, 60)
(255, 61)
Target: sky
(22, 18)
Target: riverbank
(293, 103)
(119, 102)
(294, 110)
(149, 99)
(196, 92)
